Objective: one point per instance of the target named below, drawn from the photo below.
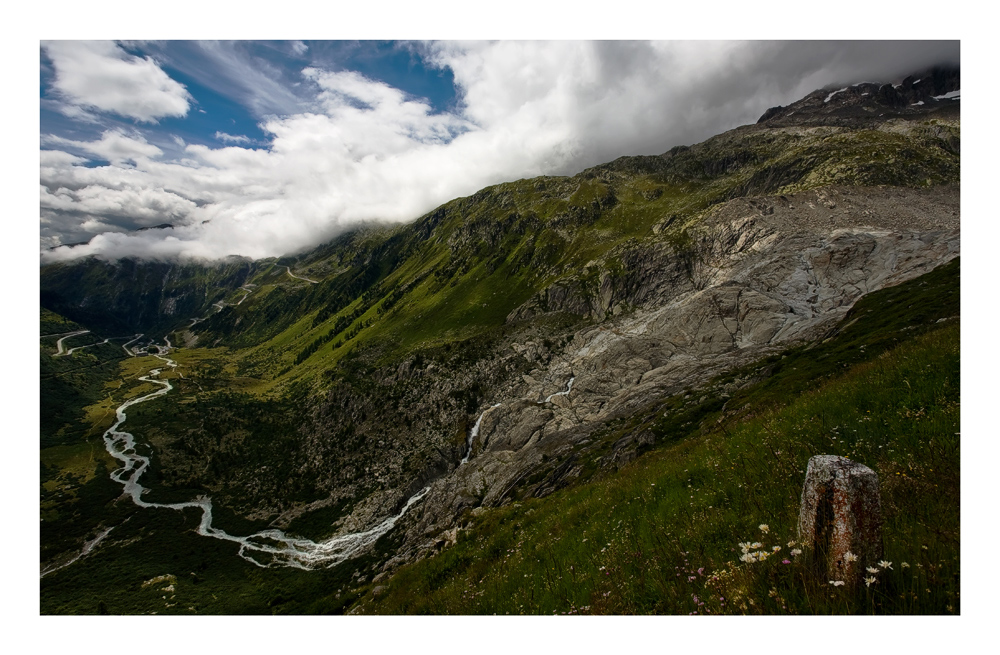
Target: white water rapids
(266, 548)
(569, 387)
(474, 432)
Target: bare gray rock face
(768, 272)
(757, 275)
(840, 516)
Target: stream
(475, 428)
(266, 548)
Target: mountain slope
(513, 328)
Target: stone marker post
(841, 513)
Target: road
(297, 277)
(59, 344)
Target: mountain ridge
(376, 353)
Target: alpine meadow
(436, 328)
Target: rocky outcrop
(931, 92)
(768, 272)
(754, 276)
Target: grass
(662, 535)
(683, 507)
(623, 543)
(882, 389)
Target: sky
(628, 19)
(268, 148)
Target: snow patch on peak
(834, 93)
(951, 95)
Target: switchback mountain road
(59, 344)
(290, 274)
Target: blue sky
(224, 103)
(266, 148)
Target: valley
(393, 421)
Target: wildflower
(870, 581)
(701, 571)
(748, 558)
(775, 549)
(850, 557)
(745, 546)
(837, 583)
(786, 561)
(791, 543)
(904, 565)
(796, 552)
(763, 528)
(756, 544)
(885, 565)
(872, 569)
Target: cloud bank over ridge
(348, 147)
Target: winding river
(266, 548)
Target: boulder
(840, 516)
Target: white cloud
(115, 146)
(230, 138)
(368, 151)
(231, 70)
(100, 75)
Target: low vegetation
(664, 534)
(294, 401)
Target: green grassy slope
(631, 541)
(661, 536)
(441, 289)
(68, 384)
(460, 270)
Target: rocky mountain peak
(931, 91)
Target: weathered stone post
(841, 513)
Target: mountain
(401, 384)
